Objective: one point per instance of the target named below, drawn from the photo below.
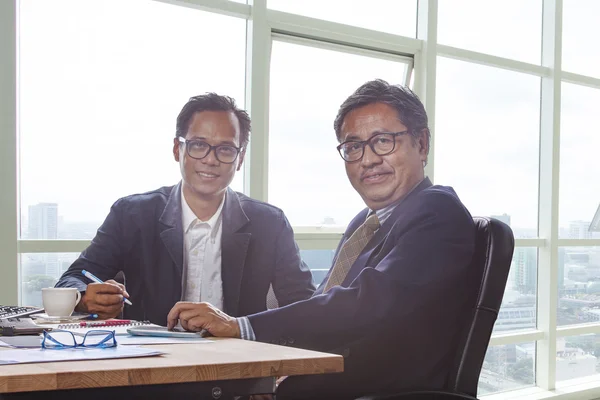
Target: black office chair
(493, 255)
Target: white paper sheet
(34, 342)
(40, 355)
(138, 340)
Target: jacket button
(282, 342)
(291, 340)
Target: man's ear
(176, 147)
(424, 144)
(241, 159)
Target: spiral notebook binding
(102, 324)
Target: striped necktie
(350, 251)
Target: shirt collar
(189, 218)
(384, 213)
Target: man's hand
(197, 316)
(104, 299)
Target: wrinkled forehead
(364, 122)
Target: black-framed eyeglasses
(382, 144)
(61, 339)
(198, 149)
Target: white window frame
(262, 25)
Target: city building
(43, 221)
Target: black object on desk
(19, 326)
(18, 311)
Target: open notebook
(120, 328)
(124, 338)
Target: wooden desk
(221, 369)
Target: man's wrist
(81, 307)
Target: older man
(390, 301)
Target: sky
(101, 84)
(307, 177)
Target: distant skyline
(49, 215)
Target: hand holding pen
(103, 298)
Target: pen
(97, 280)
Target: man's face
(208, 176)
(381, 180)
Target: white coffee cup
(60, 302)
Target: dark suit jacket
(394, 317)
(143, 237)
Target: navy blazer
(143, 237)
(394, 318)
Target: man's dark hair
(407, 104)
(213, 102)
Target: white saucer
(52, 318)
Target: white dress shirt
(202, 256)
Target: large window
(100, 83)
(519, 311)
(97, 121)
(581, 30)
(507, 367)
(579, 145)
(393, 16)
(41, 270)
(100, 89)
(487, 141)
(306, 174)
(578, 285)
(577, 356)
(511, 29)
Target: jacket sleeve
(103, 257)
(430, 257)
(293, 280)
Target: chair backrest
(490, 267)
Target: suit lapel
(171, 232)
(234, 246)
(377, 240)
